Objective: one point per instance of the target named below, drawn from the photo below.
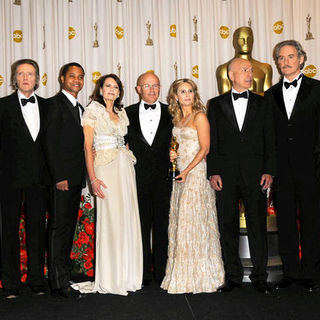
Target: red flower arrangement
(82, 253)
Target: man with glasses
(149, 136)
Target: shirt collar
(235, 91)
(157, 103)
(22, 96)
(297, 76)
(70, 97)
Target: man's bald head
(240, 73)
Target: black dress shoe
(262, 286)
(229, 286)
(146, 282)
(11, 293)
(310, 286)
(287, 282)
(66, 292)
(38, 290)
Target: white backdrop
(54, 32)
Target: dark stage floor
(154, 303)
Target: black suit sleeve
(52, 140)
(213, 167)
(269, 140)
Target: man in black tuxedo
(241, 164)
(296, 106)
(65, 154)
(149, 136)
(23, 178)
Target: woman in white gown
(194, 254)
(118, 258)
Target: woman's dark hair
(97, 96)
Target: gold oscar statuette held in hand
(173, 171)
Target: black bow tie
(236, 96)
(147, 106)
(293, 83)
(25, 101)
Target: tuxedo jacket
(298, 138)
(22, 161)
(152, 161)
(64, 142)
(250, 151)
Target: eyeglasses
(149, 86)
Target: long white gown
(194, 254)
(119, 258)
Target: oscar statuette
(173, 171)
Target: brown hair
(174, 105)
(96, 96)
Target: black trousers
(35, 207)
(154, 202)
(255, 203)
(62, 223)
(298, 190)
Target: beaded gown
(118, 259)
(194, 254)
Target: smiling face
(289, 62)
(149, 88)
(185, 95)
(26, 79)
(241, 74)
(73, 81)
(110, 90)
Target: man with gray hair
(295, 100)
(23, 178)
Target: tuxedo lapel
(278, 94)
(251, 110)
(228, 110)
(70, 108)
(42, 106)
(301, 97)
(161, 125)
(16, 108)
(135, 123)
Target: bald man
(241, 164)
(149, 136)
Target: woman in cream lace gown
(118, 260)
(194, 255)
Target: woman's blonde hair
(174, 105)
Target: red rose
(90, 273)
(88, 205)
(78, 243)
(80, 213)
(82, 198)
(24, 278)
(89, 228)
(83, 237)
(88, 264)
(271, 211)
(74, 255)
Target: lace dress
(118, 259)
(194, 254)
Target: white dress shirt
(149, 120)
(290, 94)
(73, 100)
(240, 108)
(31, 115)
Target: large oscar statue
(262, 72)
